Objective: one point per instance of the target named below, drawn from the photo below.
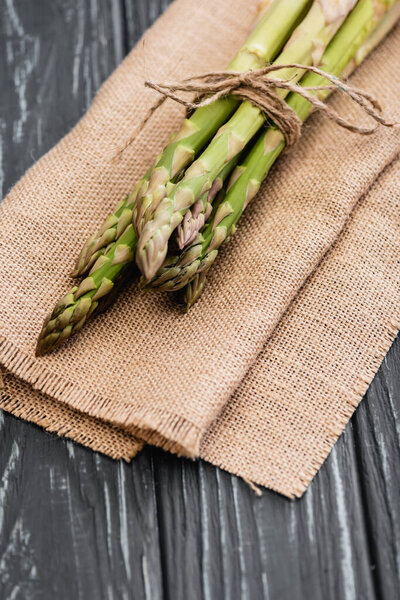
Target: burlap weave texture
(277, 326)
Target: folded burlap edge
(57, 417)
(155, 427)
(297, 487)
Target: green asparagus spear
(72, 311)
(193, 290)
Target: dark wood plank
(74, 524)
(139, 15)
(220, 538)
(54, 57)
(377, 438)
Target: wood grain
(77, 525)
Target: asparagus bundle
(263, 44)
(109, 255)
(305, 46)
(99, 252)
(179, 271)
(261, 47)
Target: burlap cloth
(263, 374)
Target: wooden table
(76, 525)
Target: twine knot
(261, 90)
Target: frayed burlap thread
(259, 378)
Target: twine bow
(259, 89)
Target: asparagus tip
(38, 350)
(42, 348)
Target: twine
(259, 89)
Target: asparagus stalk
(385, 17)
(74, 309)
(264, 42)
(305, 46)
(246, 179)
(193, 290)
(108, 234)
